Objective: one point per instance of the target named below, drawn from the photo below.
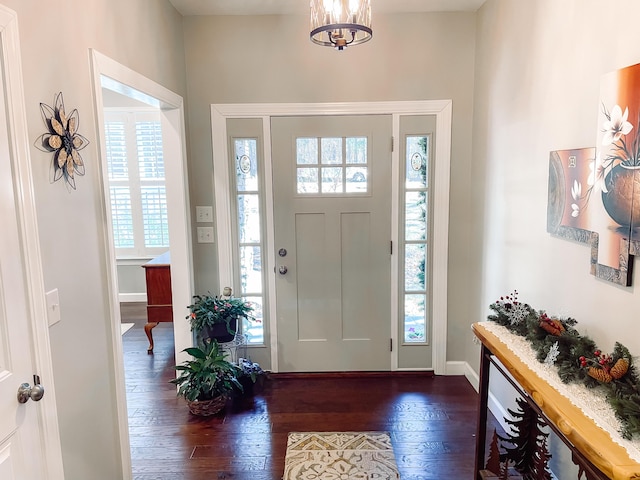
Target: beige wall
(145, 35)
(271, 59)
(538, 69)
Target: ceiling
(281, 7)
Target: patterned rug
(339, 455)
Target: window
(331, 165)
(413, 302)
(250, 239)
(137, 189)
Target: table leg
(147, 329)
(481, 432)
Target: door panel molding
(442, 109)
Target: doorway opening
(114, 82)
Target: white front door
(24, 449)
(332, 219)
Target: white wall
(145, 35)
(269, 59)
(538, 70)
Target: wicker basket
(205, 408)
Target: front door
(22, 436)
(332, 222)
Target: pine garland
(576, 357)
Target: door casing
(223, 194)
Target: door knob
(283, 270)
(26, 392)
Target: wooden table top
(594, 442)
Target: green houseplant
(207, 381)
(217, 317)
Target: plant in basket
(217, 316)
(207, 381)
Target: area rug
(124, 327)
(339, 455)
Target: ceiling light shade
(339, 23)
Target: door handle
(26, 392)
(283, 270)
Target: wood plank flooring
(432, 420)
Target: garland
(577, 357)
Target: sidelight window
(250, 243)
(414, 264)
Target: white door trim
(440, 108)
(28, 225)
(173, 132)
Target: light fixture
(338, 23)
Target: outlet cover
(205, 234)
(204, 214)
(53, 306)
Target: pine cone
(552, 326)
(620, 368)
(599, 374)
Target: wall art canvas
(594, 193)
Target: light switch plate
(205, 234)
(53, 307)
(204, 214)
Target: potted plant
(207, 381)
(250, 374)
(217, 317)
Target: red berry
(597, 353)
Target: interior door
(332, 218)
(24, 440)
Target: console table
(159, 298)
(593, 450)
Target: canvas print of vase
(598, 189)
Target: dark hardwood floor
(432, 420)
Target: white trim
(440, 108)
(456, 368)
(172, 117)
(27, 218)
(132, 297)
(395, 237)
(495, 407)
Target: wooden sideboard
(593, 449)
(159, 299)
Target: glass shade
(338, 23)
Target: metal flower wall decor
(63, 140)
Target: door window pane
(356, 179)
(415, 215)
(356, 150)
(307, 151)
(246, 165)
(332, 180)
(416, 162)
(414, 318)
(331, 151)
(249, 218)
(307, 180)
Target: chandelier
(339, 23)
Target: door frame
(174, 146)
(223, 194)
(28, 225)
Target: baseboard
(456, 368)
(132, 297)
(495, 407)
